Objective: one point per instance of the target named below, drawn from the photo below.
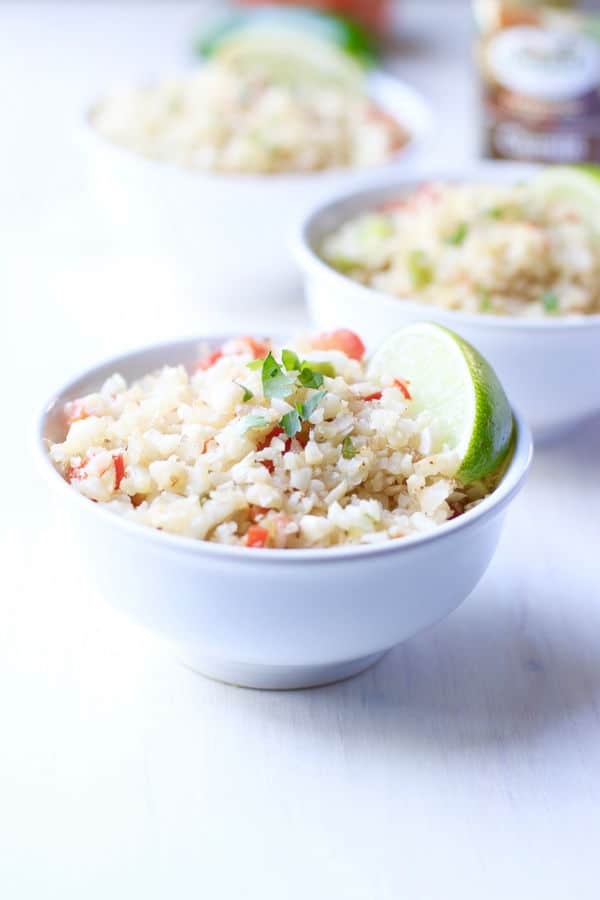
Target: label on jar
(541, 91)
(550, 65)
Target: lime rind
(453, 382)
(493, 424)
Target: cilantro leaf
(248, 395)
(550, 302)
(275, 383)
(485, 301)
(309, 378)
(290, 360)
(249, 422)
(290, 423)
(307, 409)
(420, 269)
(255, 364)
(458, 235)
(348, 449)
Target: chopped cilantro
(550, 302)
(275, 383)
(348, 449)
(247, 395)
(290, 360)
(309, 377)
(249, 422)
(375, 228)
(306, 410)
(458, 235)
(485, 301)
(290, 423)
(420, 269)
(343, 264)
(255, 364)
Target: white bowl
(548, 366)
(273, 618)
(223, 230)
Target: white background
(466, 765)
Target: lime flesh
(343, 33)
(451, 380)
(290, 56)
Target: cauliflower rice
(474, 247)
(221, 120)
(208, 454)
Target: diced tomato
(119, 469)
(209, 360)
(376, 396)
(268, 464)
(259, 349)
(343, 339)
(75, 410)
(257, 536)
(402, 386)
(275, 432)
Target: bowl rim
(309, 261)
(511, 482)
(420, 121)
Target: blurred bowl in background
(221, 232)
(548, 367)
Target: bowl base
(279, 678)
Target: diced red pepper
(257, 512)
(75, 410)
(209, 360)
(402, 386)
(275, 432)
(268, 464)
(77, 473)
(391, 206)
(119, 469)
(257, 536)
(376, 396)
(343, 339)
(303, 435)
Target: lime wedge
(291, 45)
(334, 29)
(579, 186)
(451, 380)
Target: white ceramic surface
(274, 618)
(548, 366)
(197, 220)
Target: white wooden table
(466, 765)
